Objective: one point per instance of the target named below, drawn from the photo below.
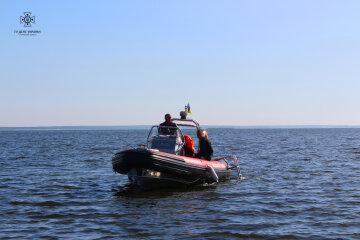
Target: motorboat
(167, 158)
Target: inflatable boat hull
(151, 166)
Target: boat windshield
(165, 139)
(169, 138)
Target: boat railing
(186, 122)
(234, 167)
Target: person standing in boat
(163, 130)
(205, 149)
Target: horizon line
(143, 126)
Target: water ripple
(298, 184)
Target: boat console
(166, 143)
(168, 138)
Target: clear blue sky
(130, 62)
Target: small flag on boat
(187, 109)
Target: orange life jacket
(189, 146)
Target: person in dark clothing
(205, 149)
(163, 130)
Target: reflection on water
(133, 190)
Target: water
(300, 184)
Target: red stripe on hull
(197, 161)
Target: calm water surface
(300, 184)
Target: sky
(245, 63)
